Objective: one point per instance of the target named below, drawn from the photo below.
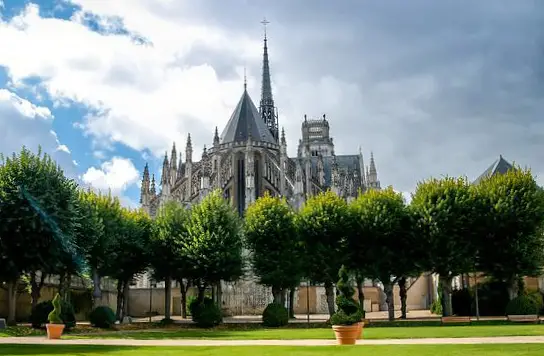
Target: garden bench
(455, 319)
(524, 318)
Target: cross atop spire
(245, 79)
(264, 22)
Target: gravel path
(208, 342)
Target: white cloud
(142, 95)
(116, 175)
(23, 123)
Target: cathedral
(249, 158)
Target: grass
(397, 350)
(323, 333)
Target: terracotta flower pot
(347, 334)
(361, 326)
(54, 331)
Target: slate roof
(245, 120)
(500, 166)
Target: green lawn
(397, 350)
(369, 333)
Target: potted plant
(347, 321)
(55, 327)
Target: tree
(324, 224)
(214, 245)
(38, 217)
(271, 237)
(447, 214)
(167, 241)
(130, 254)
(382, 240)
(512, 245)
(108, 210)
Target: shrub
(206, 314)
(436, 307)
(38, 316)
(275, 315)
(537, 297)
(349, 311)
(54, 316)
(462, 300)
(102, 317)
(522, 305)
(192, 302)
(493, 298)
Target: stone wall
(47, 293)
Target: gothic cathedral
(250, 158)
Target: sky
(432, 88)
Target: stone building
(250, 158)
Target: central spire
(266, 107)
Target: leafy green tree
(38, 217)
(214, 245)
(512, 245)
(271, 237)
(448, 217)
(130, 254)
(324, 224)
(383, 241)
(100, 256)
(168, 260)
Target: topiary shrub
(54, 317)
(461, 301)
(275, 315)
(38, 316)
(206, 314)
(522, 305)
(537, 297)
(436, 307)
(493, 298)
(349, 311)
(102, 317)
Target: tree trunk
(67, 288)
(62, 284)
(219, 296)
(36, 288)
(329, 292)
(119, 300)
(361, 292)
(282, 297)
(12, 303)
(201, 292)
(445, 284)
(183, 289)
(292, 303)
(388, 290)
(515, 287)
(403, 293)
(97, 292)
(168, 298)
(125, 299)
(276, 294)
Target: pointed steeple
(189, 149)
(165, 170)
(373, 173)
(267, 108)
(283, 141)
(145, 186)
(153, 189)
(173, 157)
(216, 137)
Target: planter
(54, 331)
(347, 334)
(360, 332)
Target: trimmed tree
(168, 237)
(512, 243)
(38, 218)
(214, 245)
(448, 218)
(130, 254)
(324, 224)
(382, 240)
(271, 237)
